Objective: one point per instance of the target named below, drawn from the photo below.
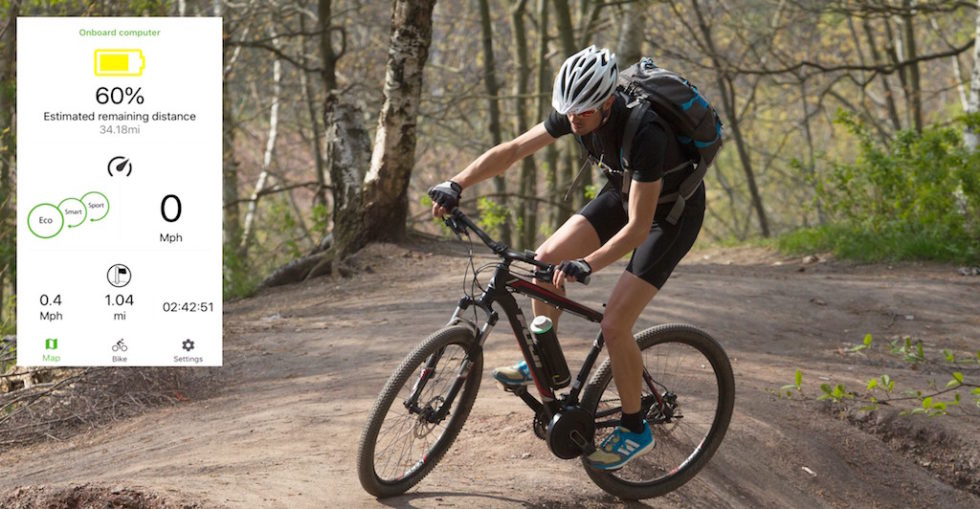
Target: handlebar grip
(585, 280)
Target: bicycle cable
(466, 272)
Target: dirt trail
(303, 365)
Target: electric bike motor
(570, 432)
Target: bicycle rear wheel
(687, 400)
(411, 427)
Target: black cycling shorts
(667, 243)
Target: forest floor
(303, 365)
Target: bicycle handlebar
(459, 222)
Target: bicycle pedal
(516, 389)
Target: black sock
(632, 422)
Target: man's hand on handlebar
(572, 270)
(445, 197)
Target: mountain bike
(688, 388)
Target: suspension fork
(475, 349)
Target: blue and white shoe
(621, 447)
(513, 377)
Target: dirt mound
(88, 495)
(55, 404)
(926, 442)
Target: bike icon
(120, 346)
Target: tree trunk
(528, 213)
(889, 95)
(544, 108)
(727, 89)
(811, 165)
(327, 53)
(954, 63)
(894, 51)
(630, 47)
(385, 198)
(493, 90)
(320, 197)
(911, 52)
(229, 170)
(566, 34)
(8, 103)
(270, 148)
(348, 153)
(972, 136)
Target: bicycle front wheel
(688, 398)
(418, 415)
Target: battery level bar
(119, 62)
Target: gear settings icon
(188, 345)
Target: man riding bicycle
(623, 217)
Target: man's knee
(614, 330)
(547, 253)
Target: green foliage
(863, 346)
(321, 217)
(858, 243)
(238, 279)
(917, 198)
(284, 221)
(910, 353)
(797, 384)
(492, 214)
(881, 390)
(591, 191)
(9, 323)
(8, 358)
(837, 393)
(971, 121)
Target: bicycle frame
(500, 291)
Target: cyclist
(623, 217)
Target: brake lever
(453, 225)
(545, 274)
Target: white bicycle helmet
(584, 81)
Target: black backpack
(691, 118)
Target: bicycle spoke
(680, 397)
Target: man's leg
(575, 239)
(632, 438)
(627, 301)
(648, 270)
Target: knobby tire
(693, 365)
(418, 444)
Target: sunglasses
(584, 114)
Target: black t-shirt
(655, 149)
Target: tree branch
(883, 69)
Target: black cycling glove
(578, 269)
(446, 194)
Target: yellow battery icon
(119, 62)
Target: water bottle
(552, 358)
